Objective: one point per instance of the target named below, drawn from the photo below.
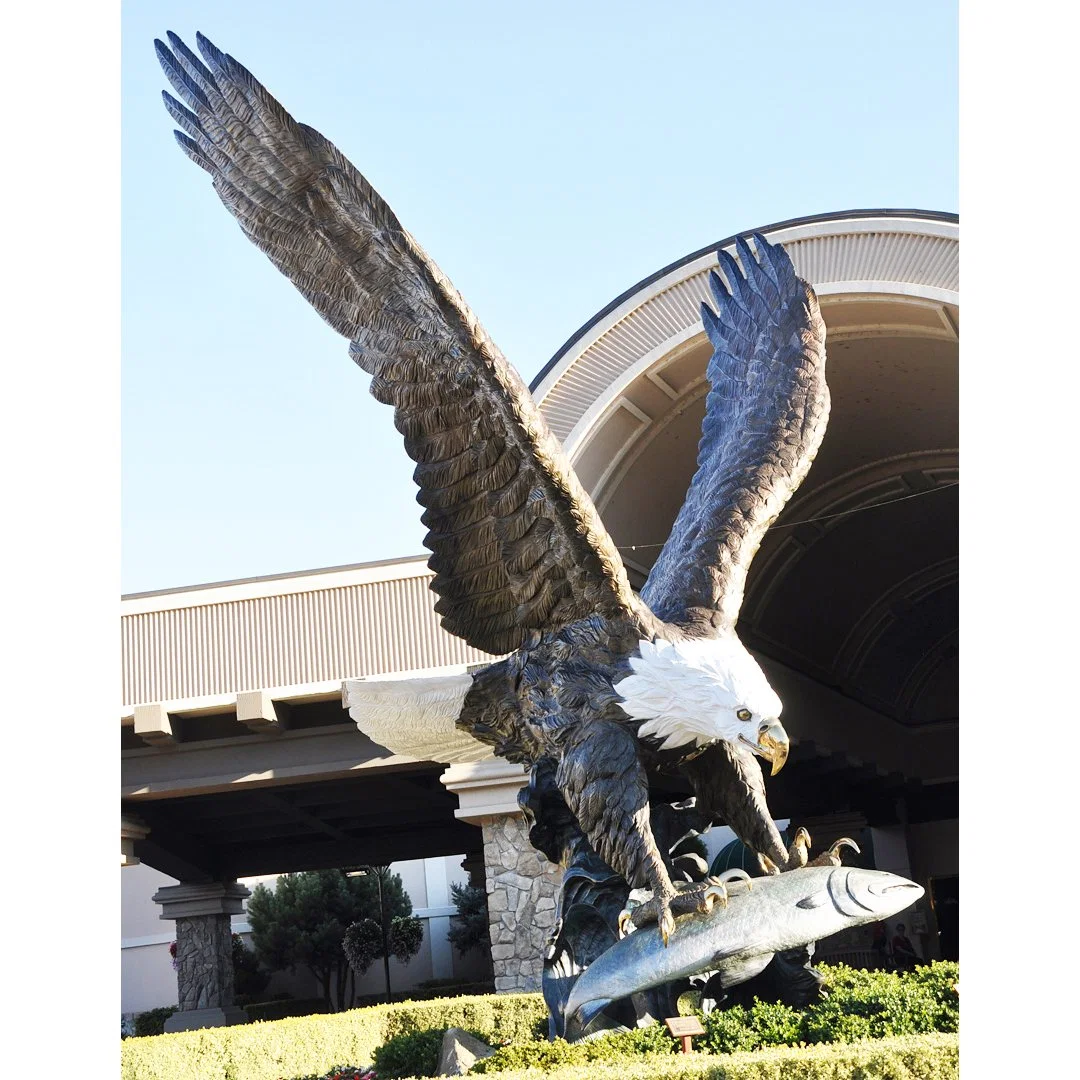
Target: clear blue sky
(546, 156)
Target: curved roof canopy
(855, 586)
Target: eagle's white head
(699, 691)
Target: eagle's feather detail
(415, 717)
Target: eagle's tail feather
(415, 717)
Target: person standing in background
(903, 952)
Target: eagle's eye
(743, 714)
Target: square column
(132, 830)
(204, 974)
(522, 885)
(522, 889)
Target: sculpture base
(205, 1018)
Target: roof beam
(249, 860)
(289, 757)
(284, 806)
(257, 711)
(176, 855)
(154, 725)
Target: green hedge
(152, 1022)
(424, 992)
(905, 1057)
(621, 1046)
(413, 1053)
(304, 1045)
(860, 1005)
(909, 1057)
(278, 1010)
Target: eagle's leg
(606, 789)
(799, 854)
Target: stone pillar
(204, 976)
(132, 830)
(522, 885)
(473, 865)
(522, 888)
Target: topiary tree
(301, 923)
(391, 934)
(470, 931)
(250, 980)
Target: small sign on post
(683, 1028)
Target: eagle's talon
(832, 856)
(626, 918)
(712, 894)
(730, 877)
(799, 851)
(667, 923)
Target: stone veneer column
(204, 974)
(132, 830)
(522, 885)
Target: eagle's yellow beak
(773, 744)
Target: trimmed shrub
(451, 988)
(641, 1042)
(249, 979)
(495, 1018)
(875, 1004)
(312, 1045)
(906, 1057)
(470, 931)
(860, 1004)
(738, 1028)
(341, 1072)
(425, 992)
(152, 1022)
(413, 1053)
(279, 1009)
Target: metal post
(385, 935)
(364, 871)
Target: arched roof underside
(855, 586)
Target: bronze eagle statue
(599, 680)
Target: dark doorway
(945, 892)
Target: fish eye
(743, 714)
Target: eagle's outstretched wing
(765, 417)
(517, 543)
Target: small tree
(301, 923)
(471, 929)
(249, 979)
(398, 935)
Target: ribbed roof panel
(858, 253)
(289, 639)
